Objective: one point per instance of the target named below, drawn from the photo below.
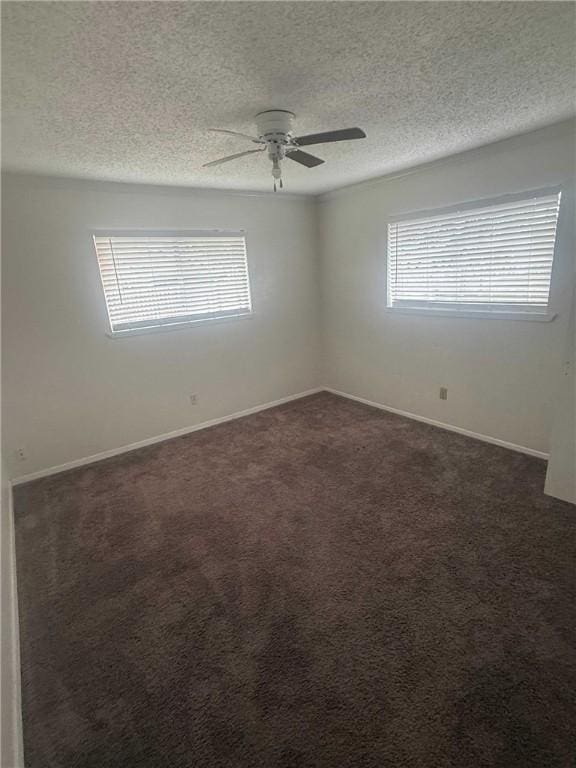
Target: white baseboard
(12, 741)
(442, 425)
(247, 412)
(159, 438)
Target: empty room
(288, 393)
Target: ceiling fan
(275, 135)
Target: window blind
(489, 257)
(156, 279)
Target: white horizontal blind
(487, 258)
(154, 279)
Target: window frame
(466, 311)
(184, 324)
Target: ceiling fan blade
(304, 158)
(232, 157)
(255, 139)
(323, 138)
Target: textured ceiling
(126, 91)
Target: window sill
(168, 328)
(472, 314)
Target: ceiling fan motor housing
(275, 127)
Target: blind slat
(544, 203)
(493, 256)
(150, 281)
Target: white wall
(11, 753)
(561, 474)
(70, 391)
(501, 375)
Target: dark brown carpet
(321, 585)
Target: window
(153, 279)
(493, 258)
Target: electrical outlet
(193, 399)
(21, 454)
(443, 393)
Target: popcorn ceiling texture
(126, 91)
